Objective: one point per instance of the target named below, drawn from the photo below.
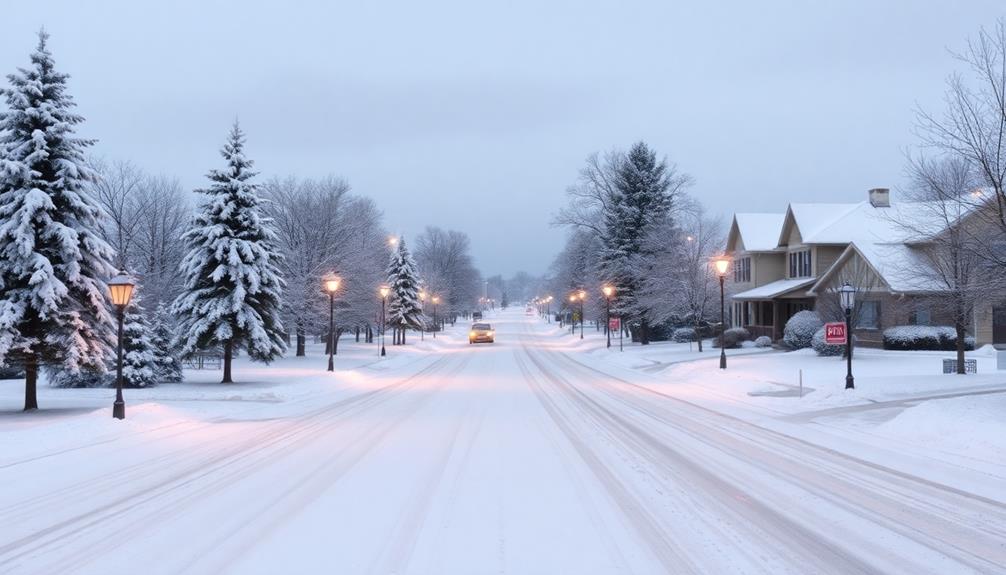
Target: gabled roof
(758, 232)
(812, 219)
(898, 265)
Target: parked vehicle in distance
(529, 310)
(481, 333)
(476, 315)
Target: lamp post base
(383, 353)
(723, 359)
(849, 382)
(119, 409)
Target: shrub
(800, 329)
(683, 335)
(732, 338)
(763, 341)
(825, 349)
(924, 338)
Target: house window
(869, 315)
(799, 264)
(921, 316)
(742, 270)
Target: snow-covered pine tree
(169, 365)
(639, 202)
(405, 310)
(232, 288)
(139, 360)
(53, 263)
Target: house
(818, 247)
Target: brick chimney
(880, 197)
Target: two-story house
(820, 246)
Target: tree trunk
(301, 339)
(698, 336)
(335, 342)
(30, 382)
(357, 334)
(644, 332)
(228, 353)
(403, 336)
(960, 347)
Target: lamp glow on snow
(120, 289)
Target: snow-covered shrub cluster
(733, 337)
(825, 349)
(800, 329)
(763, 341)
(924, 337)
(683, 335)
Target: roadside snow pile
(970, 426)
(800, 329)
(924, 338)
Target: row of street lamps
(722, 265)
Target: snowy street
(525, 456)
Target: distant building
(787, 262)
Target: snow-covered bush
(83, 378)
(732, 338)
(763, 341)
(924, 337)
(826, 349)
(800, 329)
(683, 335)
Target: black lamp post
(582, 295)
(384, 299)
(548, 308)
(331, 286)
(608, 292)
(121, 290)
(722, 264)
(848, 294)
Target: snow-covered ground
(542, 453)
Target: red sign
(614, 324)
(834, 333)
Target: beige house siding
(767, 268)
(825, 257)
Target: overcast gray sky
(477, 115)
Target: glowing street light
(608, 292)
(384, 289)
(722, 264)
(331, 286)
(120, 288)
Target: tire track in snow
(964, 527)
(223, 465)
(671, 557)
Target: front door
(999, 325)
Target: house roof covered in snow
(774, 289)
(811, 219)
(757, 232)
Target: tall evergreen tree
(638, 204)
(139, 360)
(405, 310)
(232, 285)
(169, 365)
(53, 263)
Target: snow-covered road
(517, 457)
